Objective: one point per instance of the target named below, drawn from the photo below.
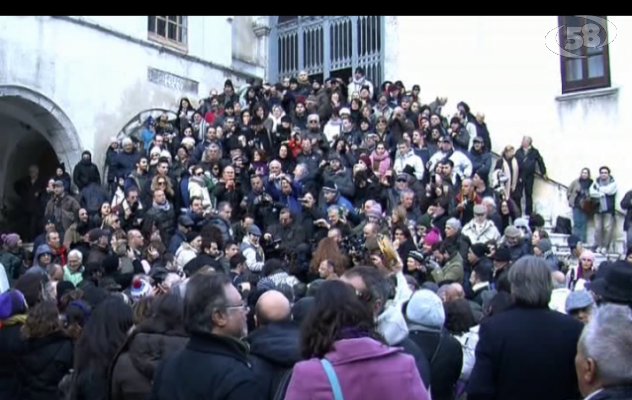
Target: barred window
(172, 29)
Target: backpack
(563, 225)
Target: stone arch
(35, 130)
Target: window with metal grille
(169, 29)
(328, 46)
(591, 68)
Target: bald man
(274, 345)
(272, 306)
(454, 291)
(560, 292)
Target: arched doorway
(33, 130)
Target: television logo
(567, 41)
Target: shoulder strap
(283, 385)
(333, 379)
(437, 348)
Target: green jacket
(452, 271)
(12, 265)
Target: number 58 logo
(565, 40)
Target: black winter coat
(126, 162)
(522, 346)
(92, 196)
(527, 162)
(85, 173)
(614, 393)
(445, 355)
(291, 237)
(43, 365)
(165, 221)
(200, 261)
(274, 349)
(135, 365)
(481, 163)
(210, 367)
(11, 347)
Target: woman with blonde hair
(163, 183)
(328, 250)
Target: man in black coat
(274, 345)
(527, 352)
(86, 172)
(209, 256)
(214, 364)
(163, 215)
(528, 158)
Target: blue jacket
(126, 163)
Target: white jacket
(481, 233)
(558, 300)
(462, 163)
(197, 189)
(401, 161)
(184, 254)
(468, 341)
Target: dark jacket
(126, 162)
(110, 162)
(522, 346)
(626, 204)
(481, 162)
(200, 261)
(291, 236)
(135, 365)
(97, 254)
(43, 365)
(274, 349)
(165, 221)
(11, 347)
(209, 367)
(175, 242)
(527, 162)
(92, 196)
(86, 172)
(445, 355)
(614, 393)
(520, 249)
(421, 361)
(223, 226)
(342, 179)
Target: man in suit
(527, 352)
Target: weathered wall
(100, 80)
(501, 66)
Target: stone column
(261, 28)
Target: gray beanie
(425, 311)
(512, 232)
(454, 224)
(544, 245)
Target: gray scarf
(163, 207)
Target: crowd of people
(305, 240)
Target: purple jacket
(366, 370)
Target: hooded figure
(86, 172)
(62, 175)
(38, 266)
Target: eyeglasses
(402, 180)
(162, 183)
(242, 307)
(313, 122)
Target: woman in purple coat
(339, 336)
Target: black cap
(185, 221)
(502, 254)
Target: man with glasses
(214, 364)
(480, 229)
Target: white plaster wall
(132, 25)
(98, 80)
(501, 66)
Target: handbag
(588, 205)
(333, 379)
